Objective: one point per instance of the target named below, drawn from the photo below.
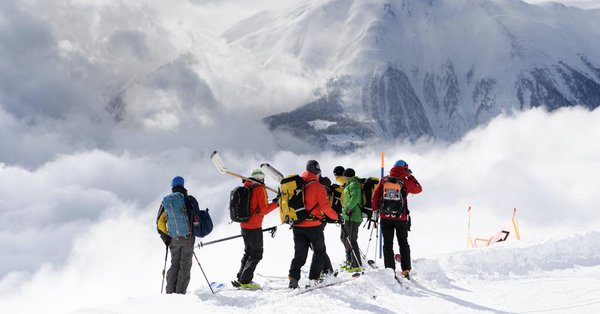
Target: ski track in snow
(556, 276)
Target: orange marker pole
(469, 229)
(516, 224)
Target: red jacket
(411, 185)
(315, 198)
(259, 206)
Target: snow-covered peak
(360, 36)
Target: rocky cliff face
(405, 69)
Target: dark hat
(312, 166)
(338, 171)
(349, 173)
(177, 181)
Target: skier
(252, 231)
(310, 232)
(351, 211)
(177, 237)
(390, 198)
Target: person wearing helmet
(390, 200)
(252, 230)
(178, 238)
(309, 233)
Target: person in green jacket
(351, 212)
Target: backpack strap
(309, 213)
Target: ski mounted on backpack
(218, 162)
(274, 173)
(272, 231)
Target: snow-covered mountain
(407, 68)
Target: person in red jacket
(309, 233)
(252, 231)
(390, 199)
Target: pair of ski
(220, 286)
(218, 162)
(326, 283)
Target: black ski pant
(401, 228)
(349, 237)
(327, 266)
(178, 275)
(305, 237)
(253, 252)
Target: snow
(558, 275)
(321, 124)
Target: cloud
(117, 75)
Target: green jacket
(352, 201)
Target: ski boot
(405, 274)
(314, 283)
(293, 282)
(250, 286)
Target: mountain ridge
(406, 69)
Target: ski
(272, 278)
(220, 165)
(306, 289)
(274, 173)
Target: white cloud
(98, 208)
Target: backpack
(368, 186)
(392, 202)
(239, 204)
(202, 224)
(292, 209)
(178, 224)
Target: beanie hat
(177, 181)
(258, 174)
(338, 171)
(312, 166)
(401, 163)
(349, 173)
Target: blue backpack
(201, 222)
(178, 223)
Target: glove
(375, 216)
(341, 220)
(408, 173)
(275, 200)
(166, 239)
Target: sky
(81, 175)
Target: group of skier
(342, 202)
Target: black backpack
(200, 220)
(392, 201)
(239, 204)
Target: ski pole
(369, 243)
(271, 230)
(362, 269)
(208, 282)
(164, 268)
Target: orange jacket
(315, 198)
(259, 206)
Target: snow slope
(558, 275)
